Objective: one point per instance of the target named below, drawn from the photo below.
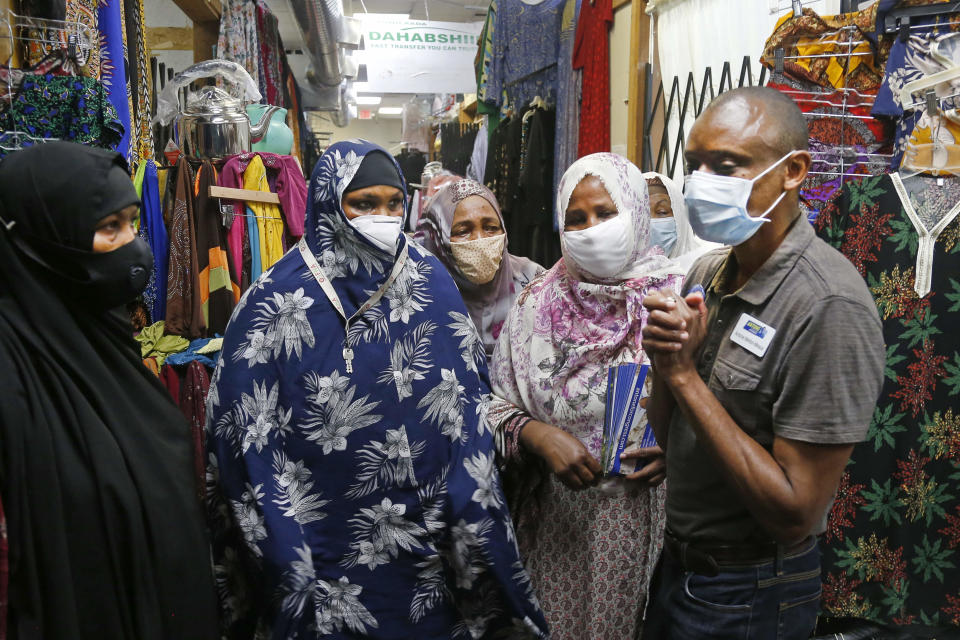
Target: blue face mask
(718, 206)
(663, 233)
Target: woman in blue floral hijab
(352, 484)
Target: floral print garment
(63, 107)
(590, 554)
(891, 552)
(363, 505)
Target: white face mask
(718, 206)
(382, 231)
(479, 259)
(602, 250)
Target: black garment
(456, 146)
(411, 164)
(106, 535)
(535, 197)
(377, 168)
(520, 173)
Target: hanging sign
(418, 56)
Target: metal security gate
(661, 149)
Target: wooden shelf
(200, 10)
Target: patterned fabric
(137, 55)
(238, 40)
(925, 52)
(193, 393)
(524, 60)
(483, 63)
(271, 76)
(811, 35)
(488, 303)
(892, 547)
(361, 505)
(841, 130)
(66, 108)
(569, 89)
(184, 315)
(154, 231)
(591, 52)
(590, 554)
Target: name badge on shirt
(753, 335)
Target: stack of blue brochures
(625, 424)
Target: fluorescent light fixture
(390, 111)
(371, 100)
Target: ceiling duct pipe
(321, 22)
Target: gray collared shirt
(810, 314)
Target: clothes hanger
(927, 82)
(937, 157)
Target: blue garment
(113, 65)
(526, 42)
(188, 356)
(569, 88)
(739, 603)
(368, 504)
(151, 223)
(909, 60)
(253, 233)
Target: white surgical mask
(382, 231)
(663, 233)
(479, 259)
(718, 206)
(602, 250)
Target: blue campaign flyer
(625, 420)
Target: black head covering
(376, 168)
(105, 531)
(66, 189)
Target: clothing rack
(74, 37)
(902, 20)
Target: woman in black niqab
(106, 535)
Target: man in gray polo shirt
(765, 377)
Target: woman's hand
(565, 455)
(654, 472)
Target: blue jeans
(752, 602)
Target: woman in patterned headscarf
(355, 488)
(590, 543)
(464, 228)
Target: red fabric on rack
(591, 52)
(193, 393)
(170, 380)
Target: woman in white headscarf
(671, 230)
(590, 543)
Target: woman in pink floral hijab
(590, 543)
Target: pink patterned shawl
(569, 327)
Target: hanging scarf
(495, 297)
(370, 499)
(569, 327)
(218, 293)
(184, 306)
(106, 535)
(688, 247)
